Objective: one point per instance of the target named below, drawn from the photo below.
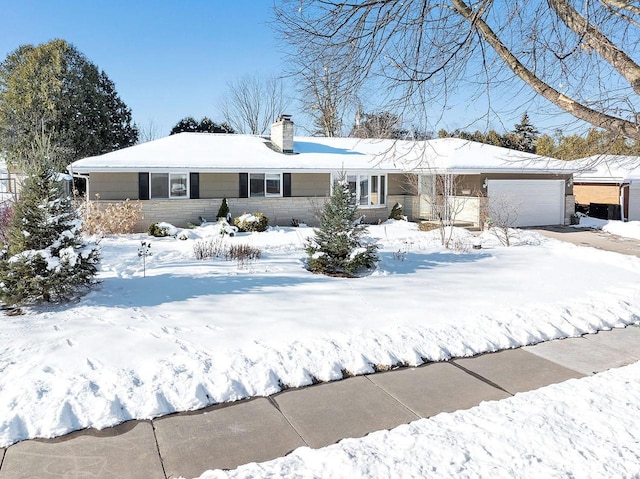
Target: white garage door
(528, 202)
(634, 201)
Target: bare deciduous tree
(326, 95)
(503, 215)
(382, 124)
(148, 132)
(581, 56)
(252, 103)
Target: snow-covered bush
(338, 247)
(252, 222)
(211, 248)
(427, 226)
(160, 230)
(115, 218)
(226, 228)
(243, 254)
(208, 248)
(45, 257)
(223, 211)
(396, 212)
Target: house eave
(480, 171)
(193, 169)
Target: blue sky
(174, 59)
(168, 59)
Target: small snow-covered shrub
(184, 235)
(115, 218)
(256, 222)
(216, 248)
(208, 248)
(243, 254)
(396, 212)
(223, 211)
(160, 230)
(427, 226)
(226, 228)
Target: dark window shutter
(194, 184)
(244, 185)
(143, 186)
(286, 184)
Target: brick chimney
(282, 134)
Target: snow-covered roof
(607, 169)
(205, 152)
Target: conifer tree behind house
(338, 247)
(45, 257)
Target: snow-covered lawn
(580, 428)
(626, 229)
(192, 333)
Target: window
(368, 190)
(169, 185)
(272, 184)
(265, 184)
(364, 190)
(256, 184)
(352, 180)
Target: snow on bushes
(115, 218)
(338, 247)
(45, 257)
(252, 222)
(162, 229)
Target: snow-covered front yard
(193, 333)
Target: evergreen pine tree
(45, 257)
(54, 87)
(525, 135)
(338, 247)
(187, 124)
(223, 211)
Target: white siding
(634, 201)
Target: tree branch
(619, 60)
(596, 118)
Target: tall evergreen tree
(206, 125)
(45, 257)
(188, 124)
(54, 88)
(525, 135)
(338, 247)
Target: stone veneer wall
(280, 211)
(569, 208)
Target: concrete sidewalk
(258, 429)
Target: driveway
(594, 238)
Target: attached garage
(633, 200)
(534, 202)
